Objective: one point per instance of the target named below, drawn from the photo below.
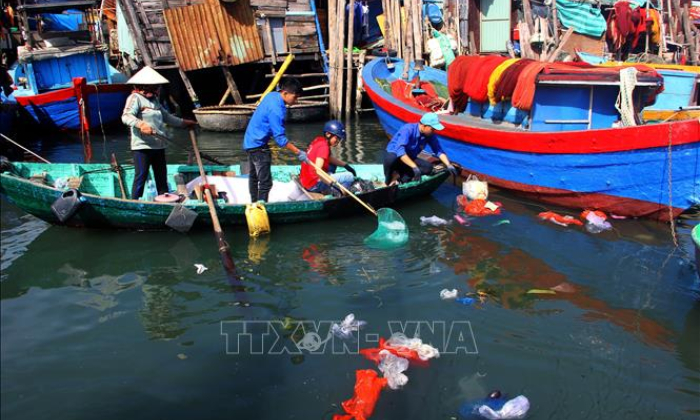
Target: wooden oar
(330, 179)
(224, 249)
(118, 169)
(24, 148)
(203, 155)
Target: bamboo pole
(387, 30)
(408, 39)
(417, 30)
(278, 76)
(689, 38)
(332, 57)
(340, 30)
(349, 66)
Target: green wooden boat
(30, 186)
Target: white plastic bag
(475, 189)
(437, 59)
(446, 294)
(596, 224)
(425, 351)
(516, 408)
(345, 329)
(392, 367)
(433, 221)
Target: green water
(118, 325)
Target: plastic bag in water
(433, 221)
(391, 231)
(392, 367)
(345, 329)
(448, 294)
(516, 408)
(368, 386)
(425, 351)
(596, 224)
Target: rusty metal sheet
(213, 33)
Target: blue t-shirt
(267, 121)
(409, 141)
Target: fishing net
(391, 232)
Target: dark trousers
(260, 176)
(393, 163)
(143, 159)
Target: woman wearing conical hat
(145, 116)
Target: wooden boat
(102, 207)
(563, 152)
(696, 241)
(236, 117)
(64, 80)
(679, 100)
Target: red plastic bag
(411, 355)
(559, 219)
(368, 385)
(477, 207)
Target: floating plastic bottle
(151, 191)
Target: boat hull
(108, 212)
(236, 117)
(624, 171)
(61, 109)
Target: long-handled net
(391, 232)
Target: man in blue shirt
(401, 162)
(268, 122)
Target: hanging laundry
(558, 219)
(368, 386)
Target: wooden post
(689, 38)
(556, 52)
(527, 11)
(387, 27)
(463, 26)
(555, 23)
(130, 15)
(340, 30)
(348, 80)
(417, 30)
(400, 30)
(189, 88)
(408, 39)
(358, 92)
(232, 88)
(332, 57)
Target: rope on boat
(674, 234)
(625, 100)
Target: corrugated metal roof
(214, 34)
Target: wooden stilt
(358, 91)
(408, 39)
(189, 88)
(340, 30)
(232, 88)
(349, 65)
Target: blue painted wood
(679, 87)
(58, 73)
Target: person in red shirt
(319, 152)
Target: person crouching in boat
(268, 122)
(319, 152)
(146, 117)
(401, 162)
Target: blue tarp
(69, 20)
(585, 18)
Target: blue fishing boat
(679, 100)
(64, 79)
(568, 150)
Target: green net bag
(391, 232)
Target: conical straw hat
(147, 76)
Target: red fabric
(509, 79)
(623, 18)
(640, 29)
(412, 356)
(559, 219)
(457, 76)
(524, 93)
(477, 207)
(429, 101)
(319, 148)
(478, 83)
(368, 386)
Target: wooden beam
(349, 65)
(232, 88)
(527, 11)
(189, 88)
(300, 76)
(556, 52)
(132, 21)
(359, 89)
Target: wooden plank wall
(300, 31)
(214, 34)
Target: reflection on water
(127, 311)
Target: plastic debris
(516, 408)
(368, 386)
(392, 367)
(470, 410)
(558, 219)
(595, 221)
(345, 329)
(475, 189)
(409, 354)
(461, 220)
(478, 207)
(465, 301)
(541, 292)
(564, 288)
(200, 268)
(425, 351)
(446, 294)
(502, 222)
(433, 221)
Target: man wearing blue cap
(401, 162)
